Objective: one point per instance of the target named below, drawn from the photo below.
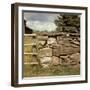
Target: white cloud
(37, 25)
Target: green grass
(35, 71)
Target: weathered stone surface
(73, 62)
(52, 45)
(67, 34)
(51, 34)
(45, 52)
(42, 37)
(68, 50)
(74, 46)
(64, 50)
(76, 43)
(64, 57)
(54, 48)
(56, 51)
(63, 41)
(51, 41)
(42, 42)
(45, 66)
(45, 61)
(65, 60)
(40, 46)
(59, 38)
(55, 60)
(75, 58)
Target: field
(35, 71)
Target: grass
(35, 71)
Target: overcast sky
(40, 21)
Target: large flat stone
(45, 52)
(45, 61)
(75, 58)
(68, 50)
(64, 50)
(42, 37)
(51, 41)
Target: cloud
(43, 17)
(40, 20)
(41, 26)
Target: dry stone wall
(58, 49)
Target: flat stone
(45, 61)
(55, 60)
(51, 41)
(42, 37)
(76, 43)
(64, 50)
(45, 52)
(64, 57)
(75, 58)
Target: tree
(68, 23)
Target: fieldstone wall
(58, 49)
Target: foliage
(68, 20)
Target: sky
(40, 21)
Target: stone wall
(58, 49)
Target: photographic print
(51, 44)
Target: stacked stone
(58, 50)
